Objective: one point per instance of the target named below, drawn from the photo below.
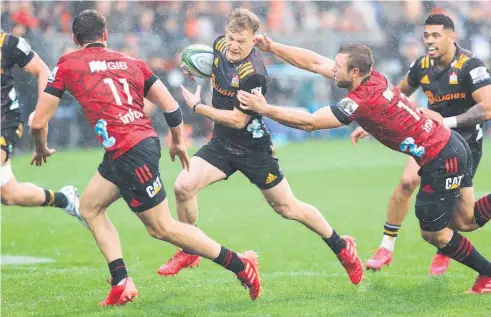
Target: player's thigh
(463, 215)
(440, 189)
(137, 175)
(99, 194)
(201, 174)
(261, 168)
(410, 178)
(279, 196)
(157, 220)
(8, 183)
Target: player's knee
(90, 209)
(408, 184)
(162, 232)
(184, 190)
(8, 198)
(285, 209)
(437, 239)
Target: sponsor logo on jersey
(235, 81)
(348, 106)
(425, 80)
(453, 78)
(446, 97)
(100, 66)
(130, 116)
(453, 182)
(479, 74)
(155, 188)
(219, 89)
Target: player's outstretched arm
(478, 113)
(159, 95)
(405, 88)
(231, 118)
(45, 109)
(298, 57)
(323, 118)
(38, 68)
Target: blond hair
(242, 19)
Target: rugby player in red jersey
(111, 88)
(446, 197)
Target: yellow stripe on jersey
(220, 45)
(241, 67)
(461, 61)
(2, 38)
(425, 62)
(244, 69)
(246, 73)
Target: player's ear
(75, 40)
(453, 36)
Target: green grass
(301, 276)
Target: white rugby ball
(198, 59)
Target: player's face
(238, 44)
(437, 40)
(342, 77)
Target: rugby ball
(198, 59)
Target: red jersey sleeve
(150, 77)
(57, 80)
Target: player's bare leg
(31, 195)
(282, 200)
(454, 245)
(162, 226)
(469, 214)
(186, 188)
(397, 210)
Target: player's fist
(264, 42)
(357, 134)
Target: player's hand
(191, 99)
(41, 156)
(187, 72)
(264, 42)
(357, 134)
(253, 102)
(179, 149)
(432, 114)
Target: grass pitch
(301, 276)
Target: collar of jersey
(95, 45)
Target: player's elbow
(238, 123)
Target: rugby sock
(482, 210)
(117, 268)
(229, 260)
(462, 250)
(55, 199)
(335, 242)
(390, 235)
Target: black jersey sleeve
(414, 72)
(255, 82)
(20, 51)
(475, 75)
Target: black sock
(335, 242)
(229, 260)
(482, 210)
(462, 250)
(117, 268)
(54, 199)
(391, 230)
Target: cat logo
(216, 62)
(155, 188)
(271, 178)
(453, 78)
(235, 81)
(425, 80)
(453, 182)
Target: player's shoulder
(467, 61)
(219, 44)
(421, 63)
(253, 65)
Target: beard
(344, 84)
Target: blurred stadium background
(157, 31)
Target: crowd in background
(157, 31)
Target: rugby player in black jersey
(242, 143)
(458, 87)
(16, 51)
